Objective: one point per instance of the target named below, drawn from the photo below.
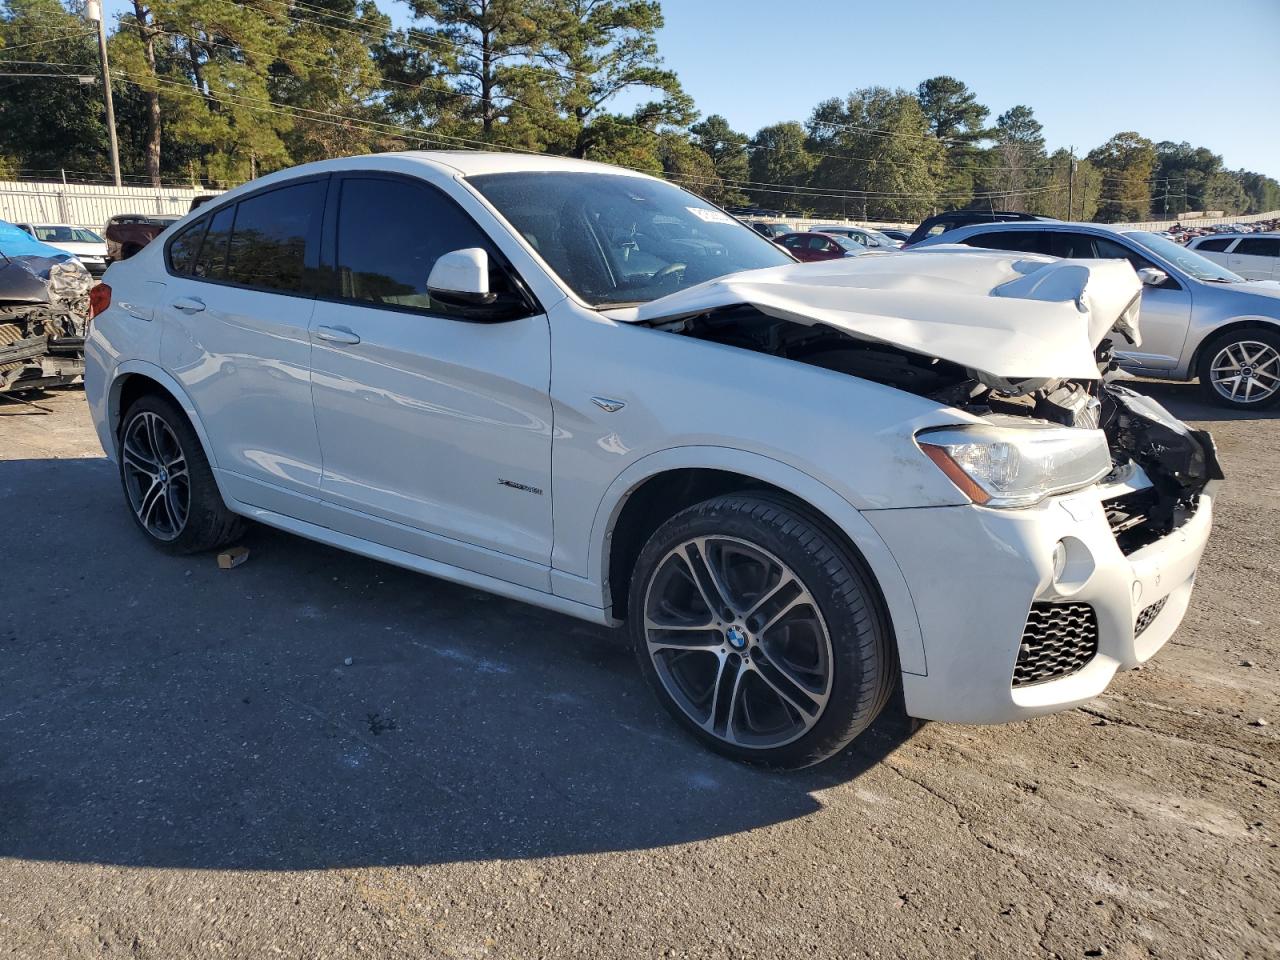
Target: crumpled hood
(1010, 315)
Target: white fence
(804, 223)
(88, 205)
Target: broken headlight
(1017, 466)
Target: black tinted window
(1214, 245)
(184, 247)
(269, 242)
(390, 234)
(1076, 246)
(1259, 247)
(1016, 241)
(211, 263)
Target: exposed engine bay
(44, 307)
(1160, 466)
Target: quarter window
(211, 263)
(268, 246)
(390, 234)
(184, 247)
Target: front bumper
(974, 583)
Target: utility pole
(93, 11)
(1071, 183)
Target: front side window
(616, 239)
(391, 233)
(1214, 244)
(269, 239)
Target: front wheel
(761, 633)
(1241, 369)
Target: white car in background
(871, 239)
(801, 486)
(81, 242)
(1254, 256)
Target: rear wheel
(167, 480)
(760, 632)
(1241, 369)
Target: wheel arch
(657, 487)
(1211, 336)
(138, 378)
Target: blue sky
(1088, 68)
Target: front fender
(893, 586)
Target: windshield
(847, 243)
(616, 239)
(61, 234)
(1202, 268)
(882, 239)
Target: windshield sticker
(710, 216)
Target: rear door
(1255, 258)
(436, 428)
(235, 310)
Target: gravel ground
(316, 755)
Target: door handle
(188, 304)
(337, 335)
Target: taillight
(99, 299)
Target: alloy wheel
(155, 476)
(738, 642)
(1246, 371)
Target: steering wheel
(670, 270)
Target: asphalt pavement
(317, 755)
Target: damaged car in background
(800, 486)
(44, 306)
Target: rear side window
(185, 246)
(1259, 247)
(1214, 244)
(211, 262)
(268, 246)
(390, 234)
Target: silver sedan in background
(1198, 318)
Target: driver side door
(435, 431)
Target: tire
(1247, 361)
(159, 450)
(769, 553)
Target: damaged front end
(1012, 340)
(44, 309)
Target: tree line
(219, 91)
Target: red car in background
(819, 246)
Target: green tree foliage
(47, 124)
(223, 90)
(1127, 162)
(780, 156)
(878, 156)
(601, 48)
(1015, 163)
(727, 149)
(958, 120)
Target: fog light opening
(1073, 565)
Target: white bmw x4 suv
(800, 486)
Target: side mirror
(1152, 276)
(461, 278)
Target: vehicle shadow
(314, 709)
(1186, 402)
